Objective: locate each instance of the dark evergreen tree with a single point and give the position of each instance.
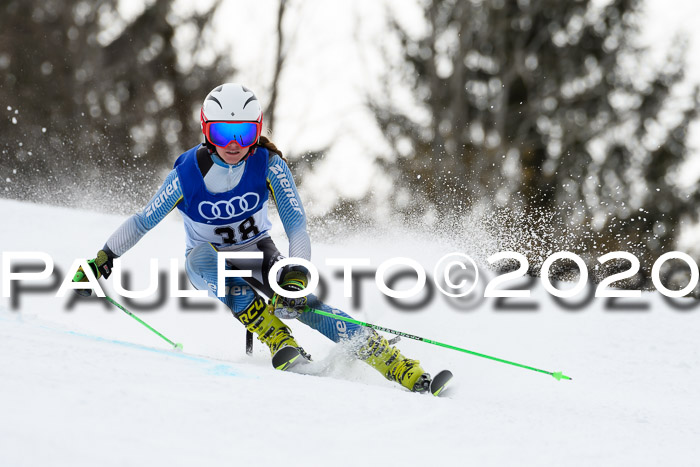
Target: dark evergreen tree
(90, 97)
(549, 110)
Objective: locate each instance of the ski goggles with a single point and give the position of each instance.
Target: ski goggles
(222, 133)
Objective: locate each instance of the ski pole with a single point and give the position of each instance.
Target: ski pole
(248, 343)
(558, 375)
(177, 346)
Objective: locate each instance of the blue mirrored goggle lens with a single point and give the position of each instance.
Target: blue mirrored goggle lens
(222, 133)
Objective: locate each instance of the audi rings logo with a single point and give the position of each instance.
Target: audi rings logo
(234, 207)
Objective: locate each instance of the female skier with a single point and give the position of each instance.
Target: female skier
(221, 188)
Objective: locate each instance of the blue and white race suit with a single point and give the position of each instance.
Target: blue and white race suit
(225, 208)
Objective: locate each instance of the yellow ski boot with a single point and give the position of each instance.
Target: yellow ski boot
(259, 319)
(388, 360)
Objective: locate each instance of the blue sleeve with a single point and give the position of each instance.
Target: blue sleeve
(134, 228)
(291, 211)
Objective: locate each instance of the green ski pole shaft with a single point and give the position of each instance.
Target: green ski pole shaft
(558, 375)
(175, 345)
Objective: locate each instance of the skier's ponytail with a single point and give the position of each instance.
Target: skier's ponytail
(270, 146)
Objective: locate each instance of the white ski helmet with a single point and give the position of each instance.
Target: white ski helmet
(231, 102)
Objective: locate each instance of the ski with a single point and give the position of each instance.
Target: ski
(287, 357)
(439, 382)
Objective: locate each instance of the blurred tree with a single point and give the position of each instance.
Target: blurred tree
(280, 57)
(285, 40)
(90, 96)
(551, 111)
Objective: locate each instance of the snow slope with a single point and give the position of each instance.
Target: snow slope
(90, 386)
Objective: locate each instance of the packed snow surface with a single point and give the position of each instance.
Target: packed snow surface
(83, 384)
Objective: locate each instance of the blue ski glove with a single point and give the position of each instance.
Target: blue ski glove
(295, 279)
(101, 266)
